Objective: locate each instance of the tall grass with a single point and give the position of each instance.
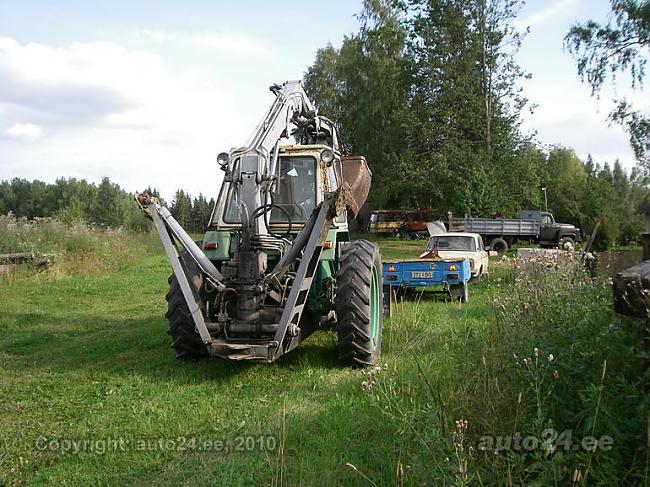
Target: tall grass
(536, 350)
(542, 386)
(67, 249)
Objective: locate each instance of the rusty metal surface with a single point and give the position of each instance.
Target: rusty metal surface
(358, 175)
(340, 199)
(147, 203)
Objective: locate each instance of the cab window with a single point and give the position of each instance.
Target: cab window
(294, 194)
(295, 189)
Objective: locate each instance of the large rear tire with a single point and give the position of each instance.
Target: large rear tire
(186, 341)
(499, 245)
(359, 304)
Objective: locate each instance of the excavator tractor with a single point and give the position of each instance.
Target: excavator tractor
(277, 261)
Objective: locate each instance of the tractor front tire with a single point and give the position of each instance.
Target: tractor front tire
(359, 304)
(186, 341)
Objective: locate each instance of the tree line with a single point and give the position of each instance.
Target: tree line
(431, 93)
(105, 204)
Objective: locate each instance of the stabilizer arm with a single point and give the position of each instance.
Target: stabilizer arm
(168, 231)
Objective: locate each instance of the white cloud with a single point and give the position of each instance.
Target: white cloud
(24, 130)
(544, 14)
(569, 116)
(112, 111)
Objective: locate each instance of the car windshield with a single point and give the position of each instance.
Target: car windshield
(294, 195)
(452, 242)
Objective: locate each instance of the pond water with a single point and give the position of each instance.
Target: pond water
(615, 261)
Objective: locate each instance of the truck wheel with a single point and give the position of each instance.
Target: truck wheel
(566, 243)
(185, 339)
(460, 292)
(359, 304)
(499, 245)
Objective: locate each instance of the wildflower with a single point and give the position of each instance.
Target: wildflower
(556, 374)
(526, 361)
(536, 351)
(551, 357)
(577, 476)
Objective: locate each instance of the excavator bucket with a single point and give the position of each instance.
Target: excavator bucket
(358, 175)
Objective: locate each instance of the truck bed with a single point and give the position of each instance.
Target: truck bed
(497, 226)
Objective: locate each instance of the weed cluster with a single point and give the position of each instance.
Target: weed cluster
(67, 249)
(569, 409)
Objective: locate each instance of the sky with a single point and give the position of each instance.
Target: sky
(149, 92)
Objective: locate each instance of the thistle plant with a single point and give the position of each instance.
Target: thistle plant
(536, 370)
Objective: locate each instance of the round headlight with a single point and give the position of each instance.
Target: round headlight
(327, 156)
(222, 158)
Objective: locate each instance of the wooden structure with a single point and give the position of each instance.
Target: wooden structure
(9, 262)
(16, 258)
(632, 291)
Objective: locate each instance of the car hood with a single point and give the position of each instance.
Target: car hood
(457, 254)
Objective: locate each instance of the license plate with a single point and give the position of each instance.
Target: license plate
(421, 274)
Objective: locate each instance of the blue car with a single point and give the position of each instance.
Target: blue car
(452, 275)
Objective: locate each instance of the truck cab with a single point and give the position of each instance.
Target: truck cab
(551, 233)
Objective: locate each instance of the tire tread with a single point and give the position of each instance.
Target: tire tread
(354, 280)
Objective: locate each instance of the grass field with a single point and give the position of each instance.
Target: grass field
(91, 393)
